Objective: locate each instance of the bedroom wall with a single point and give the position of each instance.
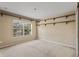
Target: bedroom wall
(62, 34)
(6, 32)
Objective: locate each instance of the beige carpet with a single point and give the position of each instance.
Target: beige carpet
(37, 48)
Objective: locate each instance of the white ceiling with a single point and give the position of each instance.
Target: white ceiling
(39, 10)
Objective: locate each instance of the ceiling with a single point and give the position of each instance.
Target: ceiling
(39, 10)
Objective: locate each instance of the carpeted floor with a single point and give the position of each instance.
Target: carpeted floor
(37, 48)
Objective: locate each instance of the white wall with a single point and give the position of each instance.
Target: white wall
(6, 32)
(61, 33)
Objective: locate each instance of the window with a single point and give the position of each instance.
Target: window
(21, 28)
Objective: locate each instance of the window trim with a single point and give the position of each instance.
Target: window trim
(22, 29)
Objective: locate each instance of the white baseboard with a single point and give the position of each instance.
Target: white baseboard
(62, 44)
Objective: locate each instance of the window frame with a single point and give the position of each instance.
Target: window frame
(23, 22)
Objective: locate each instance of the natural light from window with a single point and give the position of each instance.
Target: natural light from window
(21, 28)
